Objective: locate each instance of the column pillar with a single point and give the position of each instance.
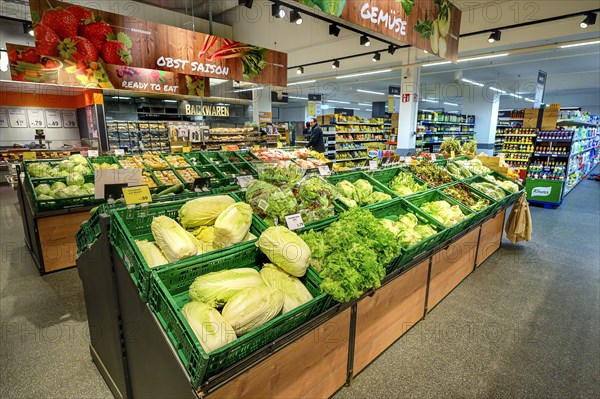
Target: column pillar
(484, 104)
(261, 102)
(407, 110)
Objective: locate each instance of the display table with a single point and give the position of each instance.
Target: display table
(316, 359)
(50, 235)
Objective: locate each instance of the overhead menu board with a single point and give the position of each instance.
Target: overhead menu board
(431, 25)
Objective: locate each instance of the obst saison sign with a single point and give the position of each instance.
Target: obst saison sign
(93, 48)
(431, 25)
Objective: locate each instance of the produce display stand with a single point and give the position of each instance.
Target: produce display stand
(50, 235)
(137, 359)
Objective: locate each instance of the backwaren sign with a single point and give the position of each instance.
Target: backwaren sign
(431, 25)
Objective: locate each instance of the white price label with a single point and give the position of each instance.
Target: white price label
(3, 118)
(324, 170)
(373, 164)
(294, 221)
(53, 119)
(119, 152)
(17, 118)
(244, 180)
(69, 118)
(36, 118)
(92, 153)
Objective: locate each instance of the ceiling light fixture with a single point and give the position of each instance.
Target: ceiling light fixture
(295, 17)
(590, 19)
(300, 70)
(354, 75)
(451, 104)
(483, 57)
(370, 92)
(302, 83)
(364, 41)
(376, 57)
(495, 36)
(392, 49)
(335, 64)
(277, 11)
(473, 83)
(579, 44)
(334, 30)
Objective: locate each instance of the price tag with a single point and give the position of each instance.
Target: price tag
(324, 170)
(36, 118)
(3, 118)
(119, 152)
(29, 155)
(92, 153)
(186, 150)
(137, 195)
(373, 164)
(53, 119)
(452, 154)
(244, 180)
(17, 118)
(69, 118)
(294, 221)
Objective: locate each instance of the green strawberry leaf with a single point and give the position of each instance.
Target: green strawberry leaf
(123, 38)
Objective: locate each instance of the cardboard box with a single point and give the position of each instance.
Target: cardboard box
(530, 119)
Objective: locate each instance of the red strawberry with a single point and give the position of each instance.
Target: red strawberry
(30, 55)
(80, 13)
(78, 49)
(13, 56)
(95, 32)
(46, 41)
(115, 52)
(62, 22)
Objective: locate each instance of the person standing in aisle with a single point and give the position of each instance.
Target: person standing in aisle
(316, 139)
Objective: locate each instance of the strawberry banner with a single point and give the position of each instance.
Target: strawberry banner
(82, 46)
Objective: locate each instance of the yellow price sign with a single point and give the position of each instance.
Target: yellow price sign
(186, 150)
(29, 155)
(137, 195)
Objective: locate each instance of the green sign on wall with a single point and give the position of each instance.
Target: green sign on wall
(549, 191)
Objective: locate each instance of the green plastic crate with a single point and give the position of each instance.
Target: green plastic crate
(169, 292)
(478, 195)
(128, 225)
(386, 176)
(436, 195)
(353, 177)
(401, 207)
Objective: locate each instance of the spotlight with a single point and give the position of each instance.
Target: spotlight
(590, 19)
(246, 3)
(334, 30)
(277, 11)
(300, 70)
(295, 17)
(336, 64)
(495, 36)
(376, 57)
(28, 28)
(364, 41)
(392, 49)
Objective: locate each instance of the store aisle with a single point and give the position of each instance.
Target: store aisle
(524, 325)
(44, 346)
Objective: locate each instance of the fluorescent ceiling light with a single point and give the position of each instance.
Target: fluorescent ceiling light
(365, 104)
(298, 98)
(429, 101)
(370, 92)
(354, 75)
(472, 82)
(484, 57)
(515, 95)
(452, 104)
(580, 44)
(302, 83)
(437, 63)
